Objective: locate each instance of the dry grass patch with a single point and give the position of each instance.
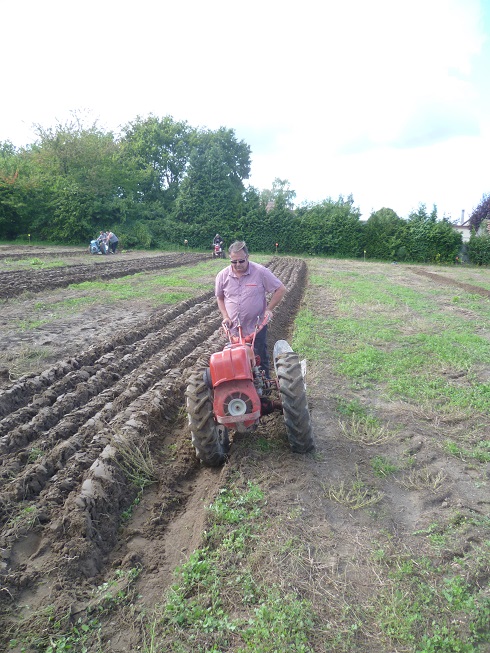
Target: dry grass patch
(423, 479)
(364, 430)
(353, 494)
(136, 462)
(26, 360)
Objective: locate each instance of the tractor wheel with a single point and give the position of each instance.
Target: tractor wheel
(209, 438)
(294, 404)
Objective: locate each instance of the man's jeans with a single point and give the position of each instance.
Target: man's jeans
(260, 349)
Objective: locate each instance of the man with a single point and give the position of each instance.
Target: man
(101, 240)
(112, 241)
(241, 290)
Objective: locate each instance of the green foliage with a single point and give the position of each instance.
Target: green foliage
(210, 196)
(19, 192)
(159, 150)
(280, 192)
(331, 228)
(383, 467)
(482, 212)
(384, 235)
(202, 603)
(162, 182)
(279, 624)
(479, 249)
(430, 240)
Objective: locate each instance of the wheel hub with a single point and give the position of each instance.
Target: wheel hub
(237, 407)
(237, 403)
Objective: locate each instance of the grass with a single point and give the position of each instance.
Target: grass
(391, 345)
(33, 263)
(383, 467)
(366, 429)
(422, 479)
(23, 521)
(52, 631)
(143, 284)
(397, 342)
(216, 600)
(354, 495)
(24, 359)
(136, 463)
(416, 593)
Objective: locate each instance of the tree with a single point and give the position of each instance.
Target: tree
(281, 192)
(159, 149)
(482, 212)
(278, 226)
(210, 197)
(479, 246)
(384, 234)
(84, 183)
(250, 225)
(9, 197)
(430, 239)
(331, 227)
(20, 194)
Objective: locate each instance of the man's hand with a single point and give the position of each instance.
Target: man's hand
(226, 323)
(268, 315)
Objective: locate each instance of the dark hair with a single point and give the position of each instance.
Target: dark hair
(237, 246)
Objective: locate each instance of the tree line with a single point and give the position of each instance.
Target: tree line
(161, 182)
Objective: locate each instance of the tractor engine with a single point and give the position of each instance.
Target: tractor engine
(236, 402)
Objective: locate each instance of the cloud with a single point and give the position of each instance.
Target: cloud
(435, 123)
(337, 97)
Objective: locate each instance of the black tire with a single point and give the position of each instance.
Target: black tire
(294, 403)
(210, 439)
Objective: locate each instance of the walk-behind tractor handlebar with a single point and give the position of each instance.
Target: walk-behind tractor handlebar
(235, 393)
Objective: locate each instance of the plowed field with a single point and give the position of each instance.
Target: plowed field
(128, 389)
(113, 383)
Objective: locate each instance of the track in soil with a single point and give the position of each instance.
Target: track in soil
(62, 495)
(19, 252)
(14, 283)
(439, 278)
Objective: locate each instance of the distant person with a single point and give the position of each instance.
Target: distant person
(102, 242)
(241, 290)
(112, 241)
(217, 240)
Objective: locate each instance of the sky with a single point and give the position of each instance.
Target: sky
(384, 100)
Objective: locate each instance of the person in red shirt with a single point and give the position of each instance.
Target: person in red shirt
(241, 291)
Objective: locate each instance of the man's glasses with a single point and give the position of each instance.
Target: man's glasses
(241, 260)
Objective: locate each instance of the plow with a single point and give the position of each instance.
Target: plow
(233, 392)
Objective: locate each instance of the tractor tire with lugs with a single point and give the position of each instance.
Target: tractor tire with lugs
(209, 439)
(294, 403)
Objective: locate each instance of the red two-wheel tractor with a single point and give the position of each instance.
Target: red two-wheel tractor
(233, 393)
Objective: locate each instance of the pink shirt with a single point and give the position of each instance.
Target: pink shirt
(245, 296)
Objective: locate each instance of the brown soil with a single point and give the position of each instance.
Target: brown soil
(120, 378)
(14, 283)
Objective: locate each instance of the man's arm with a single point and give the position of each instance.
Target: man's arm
(276, 298)
(223, 311)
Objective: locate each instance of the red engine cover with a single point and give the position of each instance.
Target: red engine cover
(236, 402)
(231, 364)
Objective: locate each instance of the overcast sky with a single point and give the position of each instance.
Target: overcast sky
(387, 100)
